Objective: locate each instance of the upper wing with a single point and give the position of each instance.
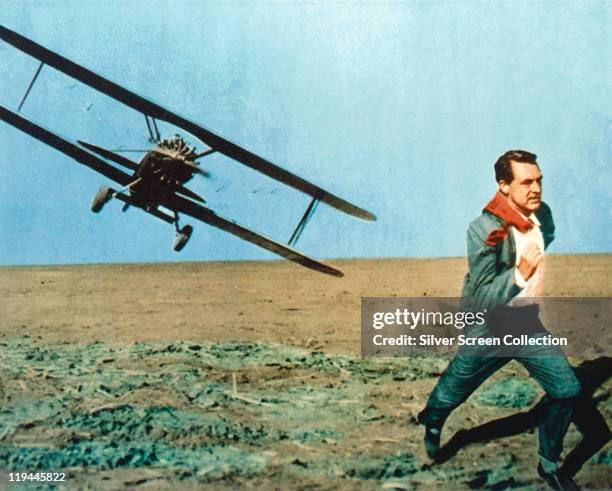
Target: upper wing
(207, 215)
(65, 146)
(150, 108)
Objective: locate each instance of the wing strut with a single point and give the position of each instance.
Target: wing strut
(157, 133)
(295, 236)
(25, 96)
(154, 138)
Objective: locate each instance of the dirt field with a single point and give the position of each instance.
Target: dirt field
(248, 375)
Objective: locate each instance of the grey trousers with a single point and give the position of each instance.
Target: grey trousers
(546, 364)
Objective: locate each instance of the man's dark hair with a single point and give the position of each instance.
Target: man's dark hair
(503, 166)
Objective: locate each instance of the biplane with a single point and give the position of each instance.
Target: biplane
(156, 184)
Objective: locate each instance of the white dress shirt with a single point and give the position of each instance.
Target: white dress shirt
(530, 288)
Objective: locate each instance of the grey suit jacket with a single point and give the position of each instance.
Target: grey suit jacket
(490, 277)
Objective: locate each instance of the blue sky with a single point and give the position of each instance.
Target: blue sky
(401, 108)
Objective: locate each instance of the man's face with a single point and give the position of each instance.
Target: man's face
(524, 193)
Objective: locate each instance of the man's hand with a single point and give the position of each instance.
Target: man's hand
(532, 256)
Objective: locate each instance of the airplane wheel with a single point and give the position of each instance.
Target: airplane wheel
(182, 237)
(102, 197)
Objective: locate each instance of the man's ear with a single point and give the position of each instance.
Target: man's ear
(504, 187)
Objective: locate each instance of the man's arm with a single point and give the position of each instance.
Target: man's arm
(489, 286)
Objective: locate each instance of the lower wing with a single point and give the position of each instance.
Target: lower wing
(182, 205)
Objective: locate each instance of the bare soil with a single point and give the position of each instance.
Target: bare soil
(248, 375)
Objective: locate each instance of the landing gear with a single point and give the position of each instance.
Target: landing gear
(182, 237)
(102, 197)
(182, 234)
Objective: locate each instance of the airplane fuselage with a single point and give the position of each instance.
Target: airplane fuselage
(159, 176)
(162, 172)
